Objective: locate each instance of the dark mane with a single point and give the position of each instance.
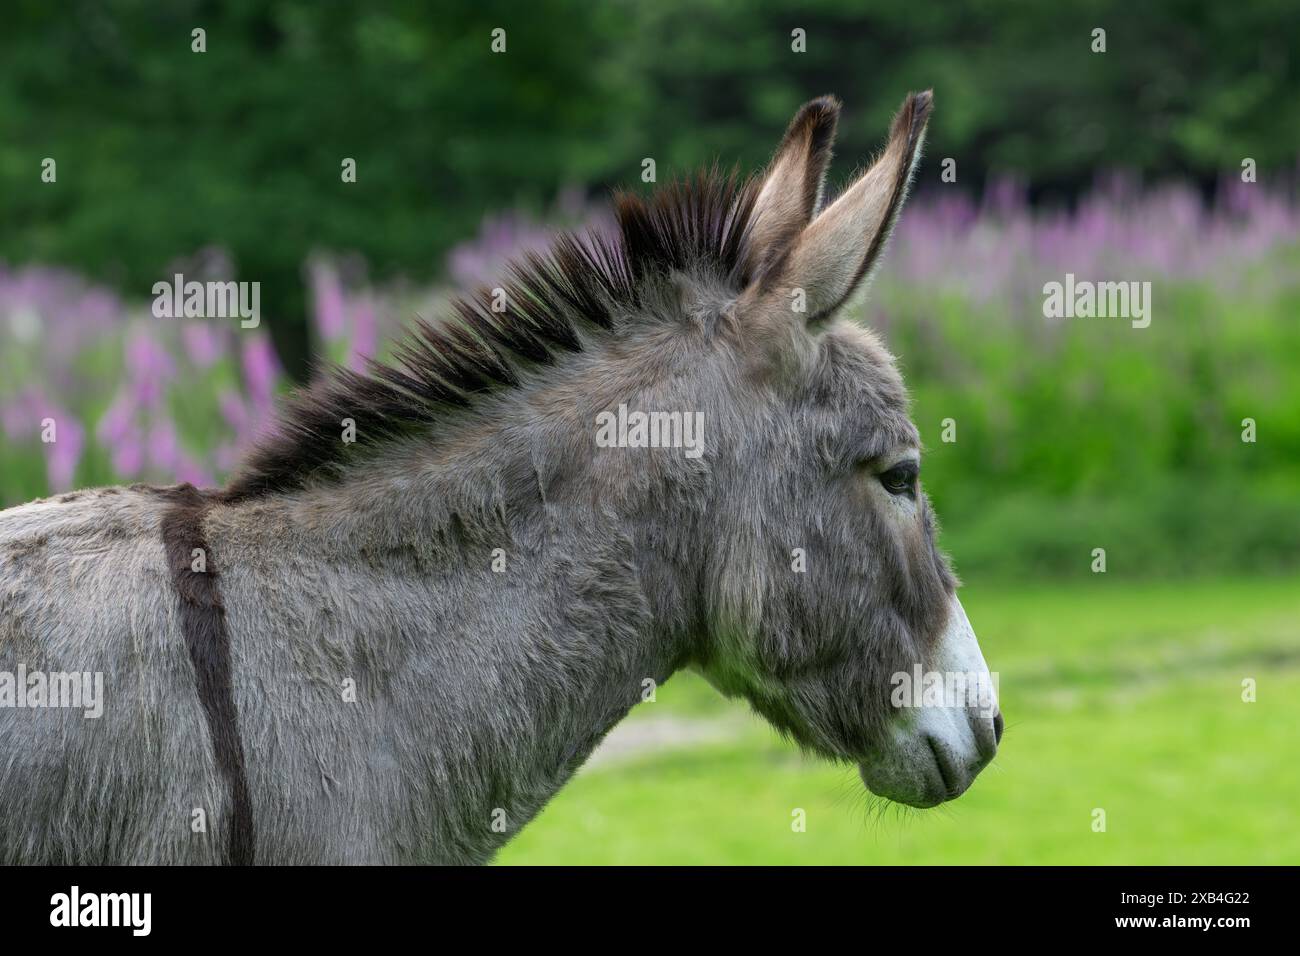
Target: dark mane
(584, 280)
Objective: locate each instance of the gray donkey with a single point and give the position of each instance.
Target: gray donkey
(435, 587)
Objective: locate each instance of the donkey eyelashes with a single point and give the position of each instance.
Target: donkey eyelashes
(901, 479)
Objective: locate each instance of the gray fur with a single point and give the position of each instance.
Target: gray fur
(478, 691)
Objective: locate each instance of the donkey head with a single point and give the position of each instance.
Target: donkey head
(830, 608)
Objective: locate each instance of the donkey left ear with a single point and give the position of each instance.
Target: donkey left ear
(792, 185)
(838, 249)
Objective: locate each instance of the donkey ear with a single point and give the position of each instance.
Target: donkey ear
(792, 185)
(840, 247)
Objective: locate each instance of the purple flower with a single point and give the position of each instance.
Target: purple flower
(127, 455)
(202, 343)
(261, 370)
(116, 420)
(331, 309)
(187, 469)
(163, 448)
(63, 454)
(233, 410)
(21, 415)
(149, 367)
(365, 332)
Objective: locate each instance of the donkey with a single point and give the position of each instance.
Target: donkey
(429, 593)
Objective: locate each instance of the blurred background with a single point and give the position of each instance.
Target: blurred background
(1172, 157)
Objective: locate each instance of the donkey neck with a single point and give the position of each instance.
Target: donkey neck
(532, 610)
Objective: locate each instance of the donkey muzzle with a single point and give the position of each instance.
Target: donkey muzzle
(948, 725)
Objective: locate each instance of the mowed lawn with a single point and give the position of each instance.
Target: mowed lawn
(1121, 697)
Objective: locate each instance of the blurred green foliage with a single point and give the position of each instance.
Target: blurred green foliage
(1101, 435)
(1087, 435)
(162, 151)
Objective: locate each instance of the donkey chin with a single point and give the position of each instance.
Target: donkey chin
(946, 731)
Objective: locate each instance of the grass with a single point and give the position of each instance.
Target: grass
(1120, 697)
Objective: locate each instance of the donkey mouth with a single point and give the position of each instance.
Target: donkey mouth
(954, 784)
(926, 779)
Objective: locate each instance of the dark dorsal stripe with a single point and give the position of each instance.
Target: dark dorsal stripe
(203, 619)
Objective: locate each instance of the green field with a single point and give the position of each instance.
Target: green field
(1124, 697)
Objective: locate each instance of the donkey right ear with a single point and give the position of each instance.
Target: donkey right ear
(838, 249)
(833, 255)
(792, 185)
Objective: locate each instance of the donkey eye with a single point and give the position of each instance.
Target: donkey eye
(901, 479)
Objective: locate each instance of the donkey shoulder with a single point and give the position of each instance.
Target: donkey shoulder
(77, 563)
(86, 593)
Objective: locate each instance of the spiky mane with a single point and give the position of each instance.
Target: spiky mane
(585, 280)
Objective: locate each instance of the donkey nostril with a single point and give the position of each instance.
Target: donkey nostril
(997, 727)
